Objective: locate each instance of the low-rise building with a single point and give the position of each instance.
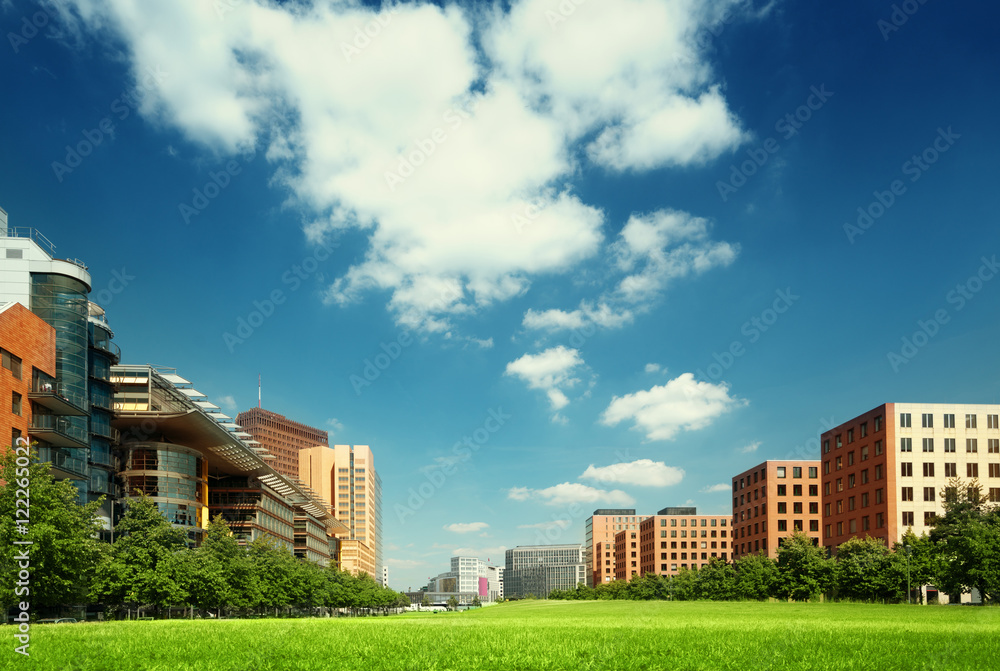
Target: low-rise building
(539, 569)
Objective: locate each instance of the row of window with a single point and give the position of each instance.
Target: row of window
(971, 445)
(852, 525)
(950, 470)
(927, 421)
(782, 490)
(852, 501)
(780, 472)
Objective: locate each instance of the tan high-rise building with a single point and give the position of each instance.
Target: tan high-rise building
(883, 471)
(773, 500)
(345, 475)
(281, 437)
(599, 544)
(673, 539)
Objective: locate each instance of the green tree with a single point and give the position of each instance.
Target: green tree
(684, 586)
(916, 557)
(968, 540)
(452, 602)
(648, 587)
(476, 603)
(146, 564)
(803, 569)
(64, 548)
(425, 601)
(866, 570)
(273, 566)
(756, 576)
(717, 581)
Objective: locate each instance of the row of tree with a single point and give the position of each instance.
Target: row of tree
(961, 553)
(149, 566)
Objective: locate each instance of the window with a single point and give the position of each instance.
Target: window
(11, 363)
(906, 469)
(994, 470)
(840, 528)
(853, 526)
(972, 470)
(14, 435)
(826, 467)
(850, 436)
(878, 447)
(797, 508)
(864, 453)
(829, 530)
(782, 507)
(826, 488)
(15, 403)
(904, 420)
(971, 445)
(796, 471)
(864, 476)
(993, 446)
(851, 504)
(878, 496)
(928, 444)
(840, 484)
(905, 444)
(840, 441)
(928, 493)
(813, 490)
(995, 494)
(850, 481)
(840, 506)
(782, 490)
(928, 420)
(864, 429)
(970, 421)
(951, 470)
(907, 519)
(850, 458)
(949, 444)
(782, 525)
(906, 494)
(839, 465)
(781, 471)
(949, 421)
(878, 423)
(813, 525)
(928, 470)
(814, 508)
(796, 490)
(826, 446)
(991, 422)
(878, 471)
(864, 500)
(929, 519)
(813, 474)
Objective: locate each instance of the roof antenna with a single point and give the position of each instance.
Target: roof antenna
(258, 391)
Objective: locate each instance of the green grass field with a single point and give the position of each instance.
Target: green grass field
(542, 635)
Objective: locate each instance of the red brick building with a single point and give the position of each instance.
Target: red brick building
(282, 437)
(677, 538)
(772, 501)
(28, 352)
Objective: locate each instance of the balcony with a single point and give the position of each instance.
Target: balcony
(104, 431)
(64, 465)
(110, 347)
(46, 392)
(57, 431)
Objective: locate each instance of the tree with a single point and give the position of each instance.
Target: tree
(452, 602)
(968, 540)
(866, 571)
(684, 586)
(918, 557)
(141, 566)
(756, 576)
(64, 548)
(803, 569)
(476, 603)
(648, 587)
(717, 581)
(425, 602)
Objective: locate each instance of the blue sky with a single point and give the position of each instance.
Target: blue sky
(629, 229)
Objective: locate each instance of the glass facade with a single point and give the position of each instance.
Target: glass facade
(539, 569)
(170, 475)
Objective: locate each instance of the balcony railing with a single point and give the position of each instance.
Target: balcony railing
(110, 347)
(63, 461)
(57, 430)
(58, 398)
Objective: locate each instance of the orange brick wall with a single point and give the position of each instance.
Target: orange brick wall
(757, 501)
(27, 336)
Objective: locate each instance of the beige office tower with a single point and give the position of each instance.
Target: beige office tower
(345, 476)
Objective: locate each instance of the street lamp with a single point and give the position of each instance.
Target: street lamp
(908, 592)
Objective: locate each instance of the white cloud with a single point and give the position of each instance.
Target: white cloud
(682, 404)
(466, 527)
(495, 131)
(750, 448)
(713, 489)
(545, 526)
(551, 371)
(641, 472)
(227, 403)
(653, 368)
(334, 425)
(569, 493)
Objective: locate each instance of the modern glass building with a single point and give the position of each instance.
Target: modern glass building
(539, 569)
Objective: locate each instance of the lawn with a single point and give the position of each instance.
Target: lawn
(541, 635)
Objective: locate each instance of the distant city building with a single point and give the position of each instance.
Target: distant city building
(884, 470)
(281, 437)
(539, 569)
(600, 530)
(345, 476)
(385, 576)
(773, 500)
(673, 539)
(469, 575)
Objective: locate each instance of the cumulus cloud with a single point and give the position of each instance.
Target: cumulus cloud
(466, 527)
(429, 136)
(682, 404)
(551, 371)
(750, 448)
(334, 426)
(713, 489)
(653, 368)
(569, 493)
(641, 472)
